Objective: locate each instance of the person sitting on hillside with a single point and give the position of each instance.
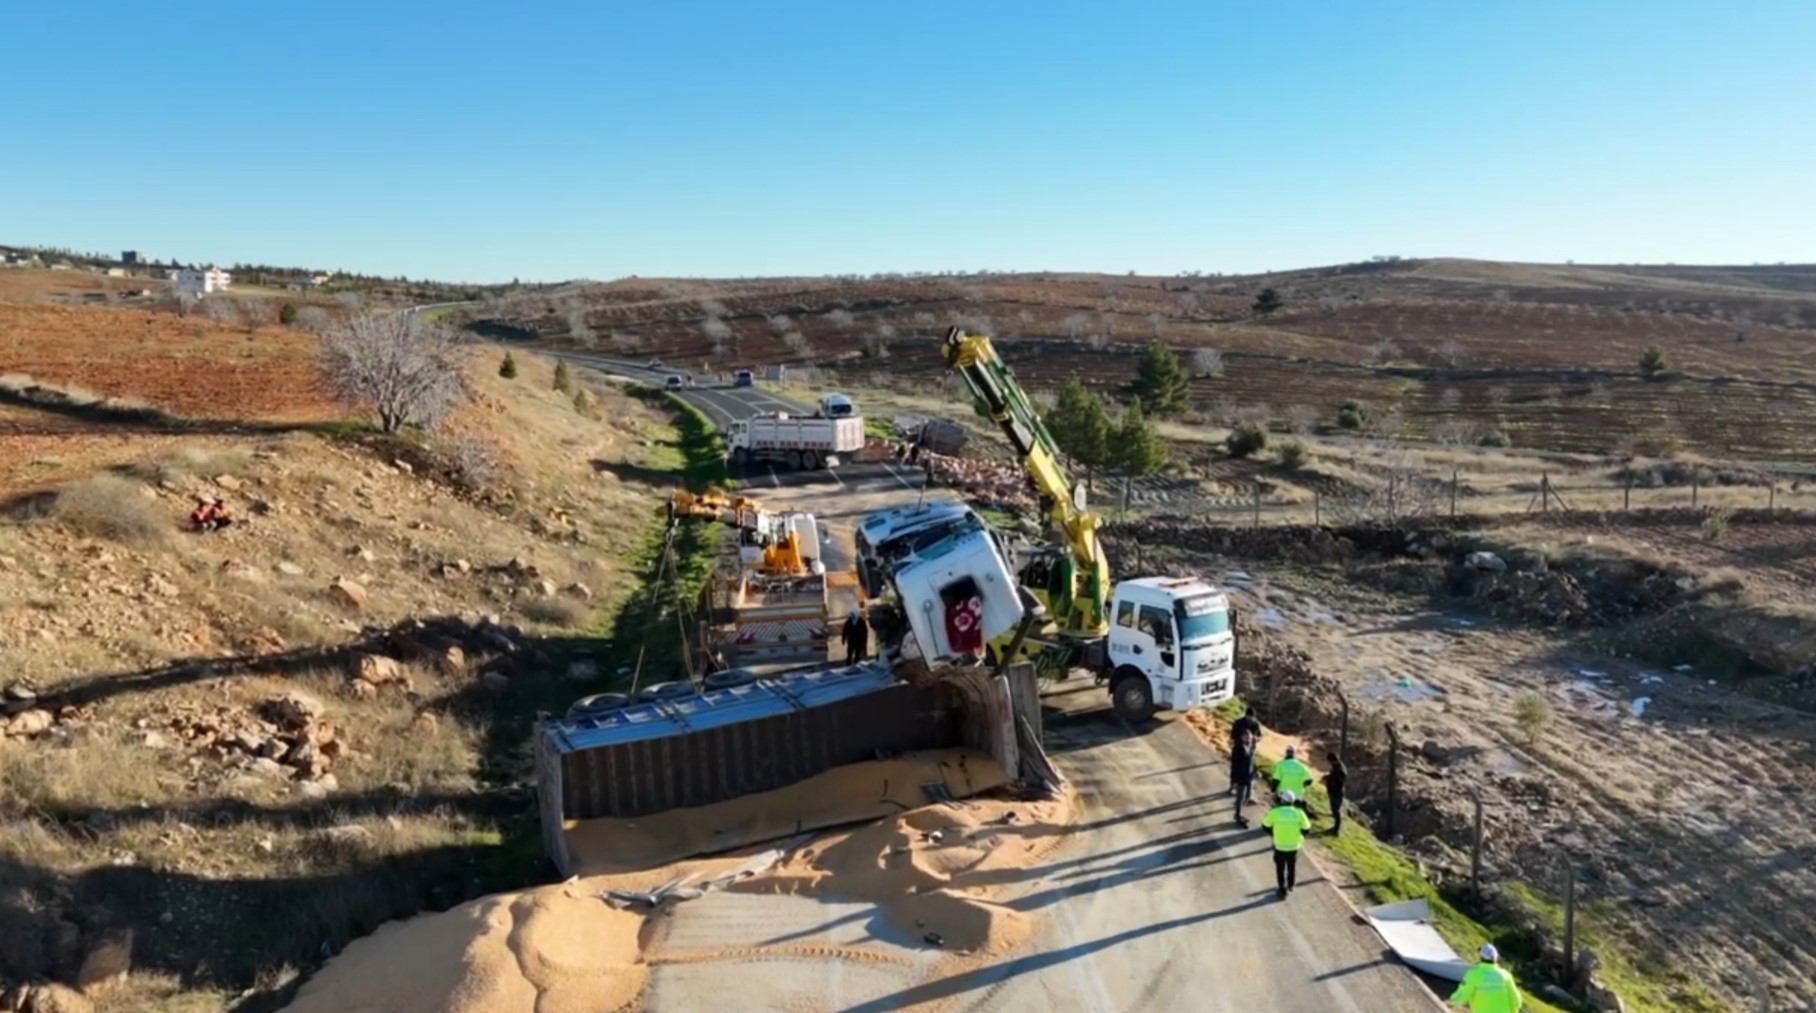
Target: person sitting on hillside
(210, 515)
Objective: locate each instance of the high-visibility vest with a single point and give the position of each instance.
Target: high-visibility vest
(1488, 988)
(1293, 776)
(1289, 824)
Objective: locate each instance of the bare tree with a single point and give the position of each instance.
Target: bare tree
(1097, 342)
(1382, 353)
(225, 312)
(712, 307)
(1207, 362)
(1256, 414)
(1075, 325)
(186, 301)
(1498, 395)
(717, 331)
(625, 342)
(1397, 491)
(408, 371)
(885, 331)
(1450, 353)
(1459, 431)
(840, 318)
(925, 319)
(1157, 323)
(314, 318)
(1450, 398)
(1302, 418)
(781, 324)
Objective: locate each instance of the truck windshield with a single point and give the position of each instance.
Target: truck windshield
(1201, 619)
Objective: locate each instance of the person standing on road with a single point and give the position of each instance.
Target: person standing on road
(1248, 726)
(1488, 987)
(856, 636)
(1334, 782)
(1289, 824)
(1242, 774)
(1292, 777)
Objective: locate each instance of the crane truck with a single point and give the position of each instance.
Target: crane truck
(966, 590)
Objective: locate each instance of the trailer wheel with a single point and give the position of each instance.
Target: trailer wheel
(810, 461)
(794, 459)
(1131, 696)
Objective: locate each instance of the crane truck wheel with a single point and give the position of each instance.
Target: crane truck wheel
(794, 459)
(1131, 695)
(810, 461)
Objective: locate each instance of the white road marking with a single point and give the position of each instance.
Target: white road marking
(772, 477)
(898, 476)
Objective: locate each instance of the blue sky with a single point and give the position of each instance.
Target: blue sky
(546, 140)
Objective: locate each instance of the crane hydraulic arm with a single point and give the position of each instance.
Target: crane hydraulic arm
(1080, 586)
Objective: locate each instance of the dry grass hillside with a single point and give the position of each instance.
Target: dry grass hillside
(1546, 353)
(225, 755)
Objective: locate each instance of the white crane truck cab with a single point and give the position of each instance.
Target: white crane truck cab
(1170, 646)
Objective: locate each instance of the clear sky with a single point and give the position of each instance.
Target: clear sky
(549, 140)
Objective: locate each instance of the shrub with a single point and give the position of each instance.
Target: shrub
(1293, 455)
(1496, 438)
(107, 506)
(1653, 364)
(581, 401)
(1533, 714)
(564, 380)
(508, 368)
(1352, 415)
(555, 611)
(1247, 438)
(1716, 524)
(287, 313)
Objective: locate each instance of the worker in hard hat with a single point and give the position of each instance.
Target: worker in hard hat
(1292, 776)
(1289, 824)
(1488, 987)
(856, 636)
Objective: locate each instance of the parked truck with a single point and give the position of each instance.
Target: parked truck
(800, 443)
(776, 618)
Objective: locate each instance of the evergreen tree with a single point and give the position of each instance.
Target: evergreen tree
(1160, 381)
(508, 368)
(564, 381)
(1136, 448)
(1268, 301)
(1079, 425)
(1653, 363)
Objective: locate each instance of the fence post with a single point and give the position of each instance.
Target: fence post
(1343, 735)
(1627, 492)
(1317, 510)
(1475, 851)
(1544, 492)
(1772, 497)
(1393, 782)
(1570, 926)
(1453, 492)
(1257, 521)
(1695, 487)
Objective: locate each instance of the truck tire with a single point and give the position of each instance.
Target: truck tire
(1132, 696)
(794, 460)
(811, 461)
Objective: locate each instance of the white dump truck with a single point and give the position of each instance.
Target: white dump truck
(799, 443)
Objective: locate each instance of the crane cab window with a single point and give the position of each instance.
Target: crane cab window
(1125, 614)
(1157, 623)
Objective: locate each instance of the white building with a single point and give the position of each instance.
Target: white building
(197, 282)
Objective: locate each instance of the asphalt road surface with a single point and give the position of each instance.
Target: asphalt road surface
(1157, 902)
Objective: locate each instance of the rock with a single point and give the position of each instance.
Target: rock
(497, 682)
(1431, 750)
(229, 483)
(404, 466)
(31, 722)
(108, 963)
(453, 660)
(360, 689)
(269, 768)
(524, 568)
(316, 788)
(307, 757)
(272, 749)
(53, 998)
(498, 640)
(1604, 999)
(294, 710)
(426, 723)
(349, 593)
(362, 554)
(289, 569)
(546, 588)
(580, 591)
(348, 834)
(1484, 560)
(583, 671)
(159, 586)
(378, 670)
(16, 699)
(153, 740)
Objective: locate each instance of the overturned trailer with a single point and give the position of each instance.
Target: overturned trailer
(602, 778)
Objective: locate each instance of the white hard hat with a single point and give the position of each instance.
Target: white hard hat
(1489, 953)
(1292, 750)
(1288, 797)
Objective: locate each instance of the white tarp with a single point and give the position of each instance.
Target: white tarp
(1406, 928)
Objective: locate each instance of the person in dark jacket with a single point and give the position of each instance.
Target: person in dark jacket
(1334, 783)
(856, 637)
(1247, 726)
(1242, 774)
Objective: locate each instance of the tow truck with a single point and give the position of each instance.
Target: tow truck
(1159, 642)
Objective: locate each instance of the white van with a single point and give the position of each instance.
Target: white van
(836, 406)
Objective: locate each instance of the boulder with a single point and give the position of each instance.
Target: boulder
(53, 998)
(289, 569)
(546, 588)
(453, 660)
(580, 591)
(426, 723)
(378, 670)
(1484, 560)
(294, 710)
(497, 682)
(107, 964)
(229, 483)
(269, 768)
(349, 593)
(1431, 750)
(36, 721)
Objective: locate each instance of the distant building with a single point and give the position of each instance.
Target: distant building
(310, 280)
(134, 258)
(197, 281)
(116, 272)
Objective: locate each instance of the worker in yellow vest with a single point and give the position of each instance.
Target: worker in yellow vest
(1488, 987)
(1292, 775)
(1289, 824)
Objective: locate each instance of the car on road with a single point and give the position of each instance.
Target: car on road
(655, 363)
(674, 382)
(745, 378)
(837, 406)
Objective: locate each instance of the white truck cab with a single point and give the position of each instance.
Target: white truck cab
(837, 406)
(1170, 646)
(958, 595)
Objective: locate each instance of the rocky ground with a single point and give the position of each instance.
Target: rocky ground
(1682, 806)
(289, 731)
